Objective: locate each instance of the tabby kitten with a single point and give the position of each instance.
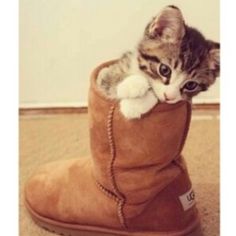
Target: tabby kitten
(172, 62)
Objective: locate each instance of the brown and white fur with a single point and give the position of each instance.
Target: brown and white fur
(172, 62)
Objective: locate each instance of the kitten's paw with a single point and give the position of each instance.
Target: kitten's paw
(128, 110)
(132, 87)
(133, 108)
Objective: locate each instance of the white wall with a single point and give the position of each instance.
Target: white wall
(61, 41)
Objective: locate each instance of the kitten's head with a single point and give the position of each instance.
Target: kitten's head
(180, 62)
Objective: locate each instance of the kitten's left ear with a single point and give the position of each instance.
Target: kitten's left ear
(214, 58)
(168, 26)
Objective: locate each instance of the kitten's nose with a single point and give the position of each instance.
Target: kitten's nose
(170, 93)
(168, 98)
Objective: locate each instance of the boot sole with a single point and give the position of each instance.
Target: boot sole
(67, 229)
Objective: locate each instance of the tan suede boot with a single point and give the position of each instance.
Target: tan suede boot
(136, 182)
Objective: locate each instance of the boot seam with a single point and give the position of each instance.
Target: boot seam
(119, 195)
(107, 192)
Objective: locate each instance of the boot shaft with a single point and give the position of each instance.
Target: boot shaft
(136, 159)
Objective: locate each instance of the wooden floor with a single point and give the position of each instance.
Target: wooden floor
(45, 138)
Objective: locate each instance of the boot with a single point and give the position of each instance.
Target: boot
(136, 182)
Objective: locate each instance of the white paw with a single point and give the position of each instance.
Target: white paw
(133, 108)
(128, 110)
(132, 86)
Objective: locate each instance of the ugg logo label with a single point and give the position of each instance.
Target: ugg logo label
(187, 200)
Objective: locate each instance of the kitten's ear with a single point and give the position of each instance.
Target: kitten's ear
(214, 58)
(168, 26)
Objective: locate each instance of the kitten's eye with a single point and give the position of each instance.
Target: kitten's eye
(165, 70)
(191, 85)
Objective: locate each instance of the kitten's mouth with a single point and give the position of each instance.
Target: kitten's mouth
(170, 101)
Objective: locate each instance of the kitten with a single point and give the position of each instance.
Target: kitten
(172, 62)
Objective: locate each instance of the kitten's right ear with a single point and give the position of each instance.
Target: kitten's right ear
(168, 26)
(214, 57)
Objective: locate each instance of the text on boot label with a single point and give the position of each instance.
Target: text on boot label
(188, 199)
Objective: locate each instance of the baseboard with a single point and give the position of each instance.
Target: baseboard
(84, 109)
(206, 106)
(53, 108)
